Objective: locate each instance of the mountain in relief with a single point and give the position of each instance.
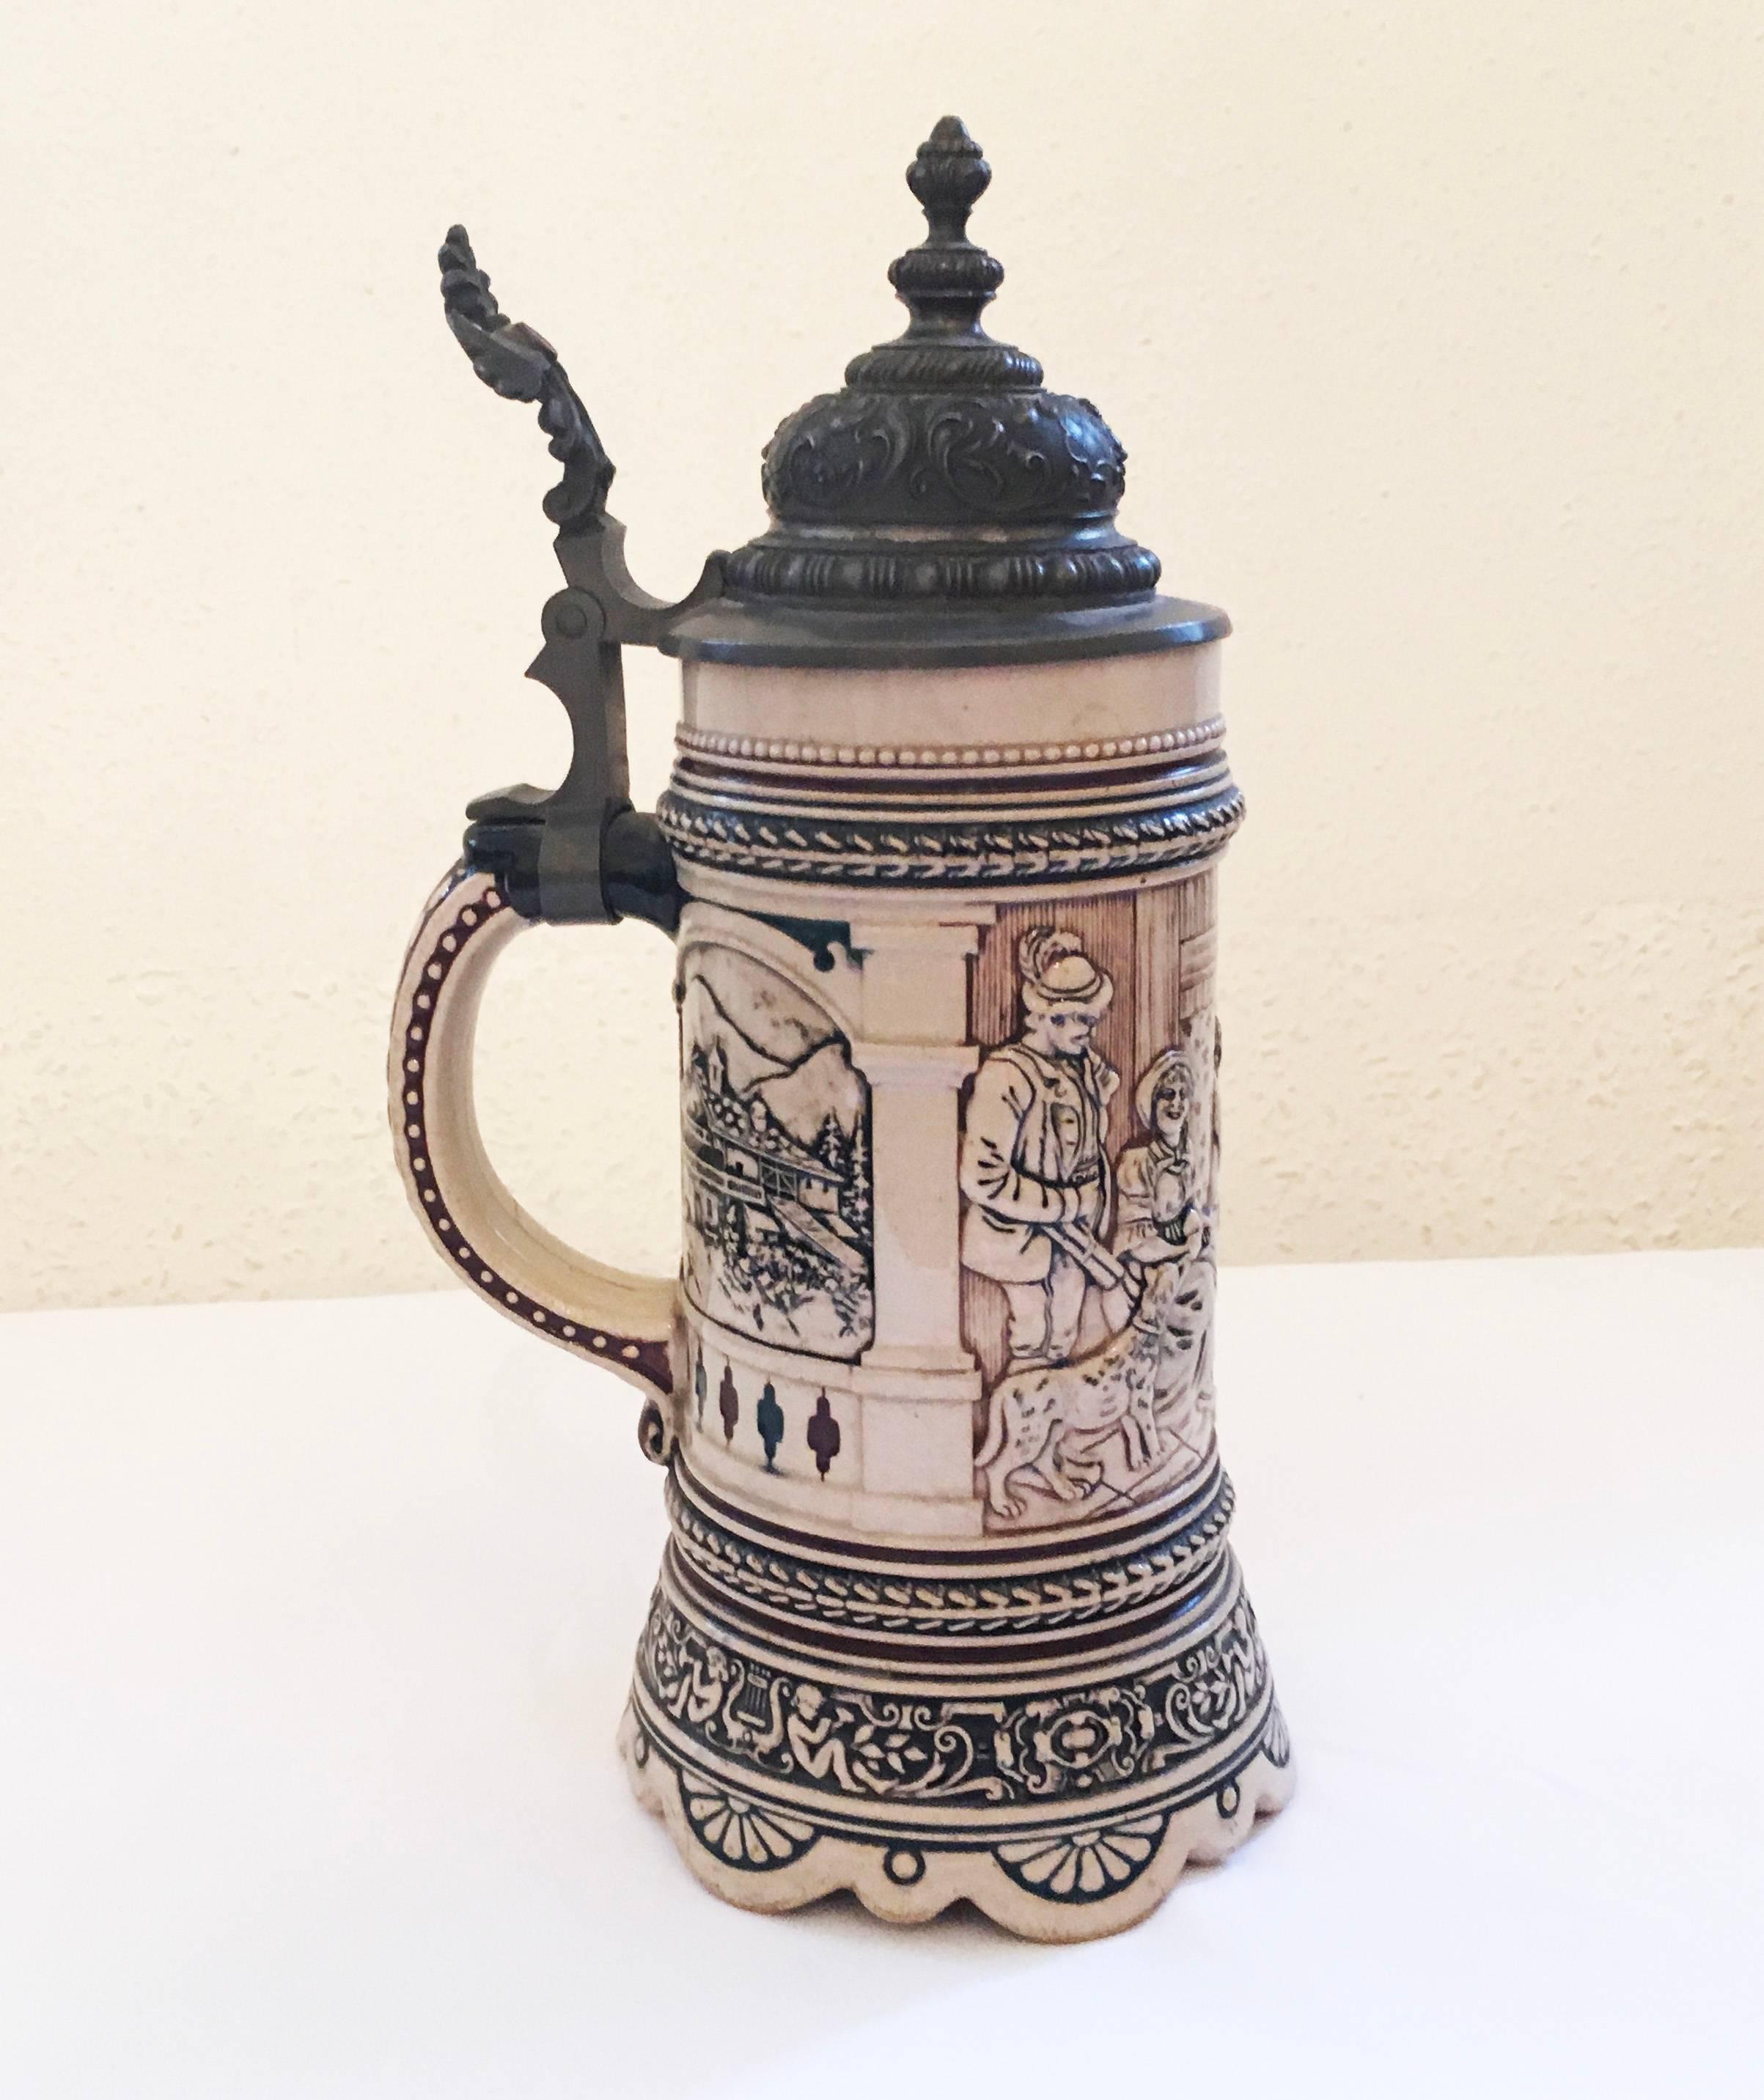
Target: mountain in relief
(800, 1093)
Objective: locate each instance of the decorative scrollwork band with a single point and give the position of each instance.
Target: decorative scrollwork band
(1012, 1600)
(894, 1745)
(956, 855)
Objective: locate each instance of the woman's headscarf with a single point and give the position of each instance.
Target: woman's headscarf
(1172, 1067)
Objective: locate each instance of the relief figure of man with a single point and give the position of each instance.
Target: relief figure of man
(1033, 1168)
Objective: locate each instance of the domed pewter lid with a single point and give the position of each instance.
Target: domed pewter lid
(943, 506)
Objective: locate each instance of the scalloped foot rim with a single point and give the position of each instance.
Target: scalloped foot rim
(1091, 1877)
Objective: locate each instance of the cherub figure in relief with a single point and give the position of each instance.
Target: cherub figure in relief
(812, 1732)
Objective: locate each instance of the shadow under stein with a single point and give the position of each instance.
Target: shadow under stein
(948, 1609)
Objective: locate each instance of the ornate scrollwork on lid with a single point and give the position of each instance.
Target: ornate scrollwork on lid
(837, 450)
(897, 487)
(957, 460)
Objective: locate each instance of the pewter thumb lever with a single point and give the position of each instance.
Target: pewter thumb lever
(579, 852)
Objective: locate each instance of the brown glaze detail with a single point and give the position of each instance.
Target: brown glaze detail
(1134, 936)
(1197, 905)
(447, 939)
(1026, 1551)
(1157, 970)
(933, 785)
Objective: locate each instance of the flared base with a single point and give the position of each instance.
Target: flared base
(1071, 1878)
(1050, 1730)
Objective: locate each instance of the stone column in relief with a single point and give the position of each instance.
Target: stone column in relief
(915, 1055)
(919, 1380)
(915, 1137)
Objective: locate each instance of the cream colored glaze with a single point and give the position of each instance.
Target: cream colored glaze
(1005, 705)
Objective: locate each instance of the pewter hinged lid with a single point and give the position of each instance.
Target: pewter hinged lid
(944, 506)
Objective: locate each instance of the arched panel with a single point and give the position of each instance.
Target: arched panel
(778, 1193)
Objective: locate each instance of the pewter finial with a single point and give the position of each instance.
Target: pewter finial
(946, 281)
(948, 177)
(1009, 490)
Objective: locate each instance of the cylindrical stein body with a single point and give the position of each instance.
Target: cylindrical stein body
(948, 1608)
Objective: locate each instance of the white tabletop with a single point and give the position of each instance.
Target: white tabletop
(318, 1617)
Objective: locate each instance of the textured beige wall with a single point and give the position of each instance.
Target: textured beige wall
(1433, 334)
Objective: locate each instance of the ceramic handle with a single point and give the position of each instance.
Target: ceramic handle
(626, 1322)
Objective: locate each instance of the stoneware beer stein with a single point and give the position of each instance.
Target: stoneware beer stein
(948, 1608)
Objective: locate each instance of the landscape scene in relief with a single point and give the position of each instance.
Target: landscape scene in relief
(776, 1124)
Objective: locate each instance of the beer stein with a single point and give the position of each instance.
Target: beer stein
(948, 1608)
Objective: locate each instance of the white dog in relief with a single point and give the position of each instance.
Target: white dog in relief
(1148, 1384)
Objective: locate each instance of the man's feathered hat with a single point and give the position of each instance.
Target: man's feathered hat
(1058, 977)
